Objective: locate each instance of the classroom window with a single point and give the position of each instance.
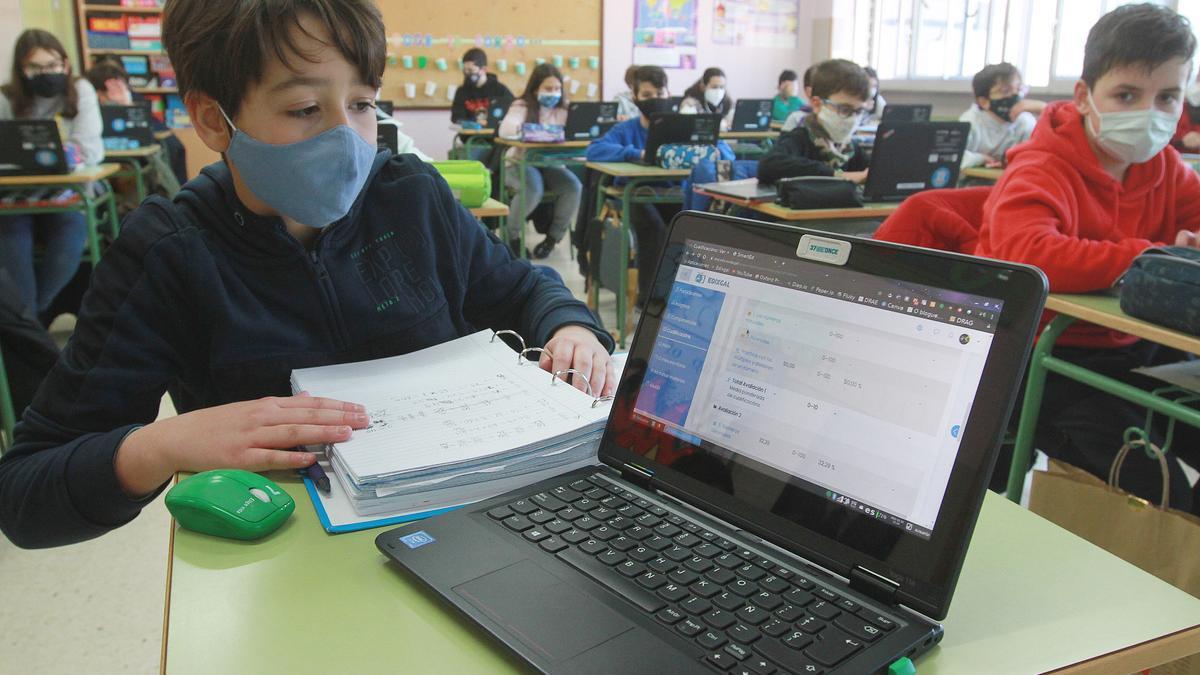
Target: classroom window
(938, 40)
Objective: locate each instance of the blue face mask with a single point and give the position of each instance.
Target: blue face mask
(314, 181)
(549, 100)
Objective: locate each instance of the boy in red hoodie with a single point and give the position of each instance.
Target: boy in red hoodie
(1095, 186)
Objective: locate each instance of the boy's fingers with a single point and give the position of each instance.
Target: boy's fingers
(291, 435)
(318, 416)
(307, 401)
(598, 375)
(264, 459)
(583, 363)
(564, 352)
(610, 379)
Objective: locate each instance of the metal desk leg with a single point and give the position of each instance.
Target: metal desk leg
(1032, 405)
(623, 284)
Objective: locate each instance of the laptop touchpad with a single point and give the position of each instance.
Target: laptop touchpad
(541, 611)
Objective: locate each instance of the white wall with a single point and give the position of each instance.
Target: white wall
(10, 28)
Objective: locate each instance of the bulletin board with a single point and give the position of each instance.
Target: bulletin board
(427, 38)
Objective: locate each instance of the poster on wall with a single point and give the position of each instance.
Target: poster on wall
(664, 33)
(756, 23)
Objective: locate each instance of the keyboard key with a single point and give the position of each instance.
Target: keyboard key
(751, 572)
(719, 618)
(669, 616)
(675, 520)
(603, 533)
(500, 513)
(877, 619)
(592, 546)
(664, 565)
(613, 502)
(711, 639)
(658, 543)
(742, 587)
(746, 554)
(757, 665)
(725, 544)
(568, 514)
(602, 512)
(642, 502)
(705, 588)
(707, 536)
(630, 568)
(597, 493)
(753, 615)
(622, 543)
(586, 504)
(791, 660)
(858, 628)
(721, 660)
(548, 501)
(651, 580)
(619, 522)
(597, 571)
(764, 563)
(695, 605)
(798, 640)
(553, 544)
(535, 534)
(683, 577)
(798, 597)
(729, 561)
(729, 601)
(517, 523)
(629, 510)
(687, 539)
(706, 550)
(640, 554)
(826, 594)
(744, 634)
(774, 628)
(581, 485)
(768, 601)
(789, 613)
(720, 575)
(523, 506)
(784, 573)
(557, 526)
(565, 493)
(677, 553)
(648, 520)
(811, 624)
(611, 557)
(657, 510)
(586, 523)
(847, 605)
(802, 581)
(774, 583)
(689, 627)
(638, 532)
(666, 530)
(690, 527)
(824, 610)
(574, 536)
(737, 651)
(540, 516)
(833, 648)
(673, 592)
(697, 564)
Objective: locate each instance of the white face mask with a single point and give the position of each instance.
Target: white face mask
(839, 128)
(1132, 136)
(1193, 94)
(714, 96)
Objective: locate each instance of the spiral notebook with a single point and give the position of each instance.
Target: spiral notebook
(450, 425)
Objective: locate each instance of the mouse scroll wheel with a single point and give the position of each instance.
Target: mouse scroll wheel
(262, 496)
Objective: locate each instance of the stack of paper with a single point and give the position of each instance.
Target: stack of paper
(453, 424)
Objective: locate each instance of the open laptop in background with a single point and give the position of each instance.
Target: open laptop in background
(893, 113)
(496, 110)
(31, 147)
(910, 157)
(589, 120)
(704, 129)
(127, 127)
(746, 189)
(676, 101)
(387, 135)
(385, 106)
(796, 457)
(752, 114)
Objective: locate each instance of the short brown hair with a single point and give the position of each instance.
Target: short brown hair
(219, 47)
(1136, 35)
(655, 75)
(103, 71)
(830, 77)
(990, 76)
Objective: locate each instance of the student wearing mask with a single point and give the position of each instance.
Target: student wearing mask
(1000, 118)
(786, 101)
(303, 247)
(876, 103)
(793, 120)
(823, 144)
(626, 105)
(471, 100)
(1094, 187)
(543, 103)
(709, 95)
(626, 142)
(42, 87)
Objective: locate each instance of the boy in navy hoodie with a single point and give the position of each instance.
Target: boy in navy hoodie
(626, 142)
(302, 248)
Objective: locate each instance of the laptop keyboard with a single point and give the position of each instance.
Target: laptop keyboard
(749, 613)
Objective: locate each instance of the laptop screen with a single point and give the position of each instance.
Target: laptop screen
(856, 386)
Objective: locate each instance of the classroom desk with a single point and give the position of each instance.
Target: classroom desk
(537, 155)
(738, 201)
(88, 205)
(1103, 310)
(138, 161)
(777, 126)
(982, 173)
(1191, 159)
(492, 208)
(304, 601)
(471, 138)
(756, 143)
(861, 221)
(749, 135)
(634, 176)
(163, 135)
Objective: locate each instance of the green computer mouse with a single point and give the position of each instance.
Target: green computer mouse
(230, 503)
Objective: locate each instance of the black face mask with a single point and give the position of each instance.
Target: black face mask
(1003, 106)
(47, 85)
(653, 106)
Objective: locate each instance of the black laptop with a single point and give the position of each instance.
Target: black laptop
(906, 113)
(752, 114)
(589, 120)
(127, 127)
(387, 135)
(701, 129)
(910, 157)
(31, 147)
(497, 109)
(385, 106)
(791, 473)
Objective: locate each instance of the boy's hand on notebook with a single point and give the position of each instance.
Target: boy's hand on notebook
(251, 435)
(577, 347)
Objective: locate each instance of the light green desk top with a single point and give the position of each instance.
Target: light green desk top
(136, 153)
(79, 176)
(302, 601)
(983, 173)
(631, 170)
(869, 210)
(1105, 310)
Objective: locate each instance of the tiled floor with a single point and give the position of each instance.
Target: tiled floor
(97, 607)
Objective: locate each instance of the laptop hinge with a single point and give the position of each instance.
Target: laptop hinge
(639, 476)
(874, 586)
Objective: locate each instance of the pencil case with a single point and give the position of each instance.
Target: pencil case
(470, 181)
(1163, 286)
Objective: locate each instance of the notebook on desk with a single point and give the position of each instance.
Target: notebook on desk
(747, 189)
(31, 147)
(795, 459)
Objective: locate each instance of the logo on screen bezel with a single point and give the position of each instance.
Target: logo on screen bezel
(823, 249)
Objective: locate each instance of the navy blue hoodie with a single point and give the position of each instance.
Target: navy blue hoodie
(216, 304)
